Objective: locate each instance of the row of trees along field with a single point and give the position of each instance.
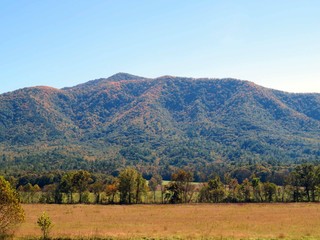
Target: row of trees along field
(130, 187)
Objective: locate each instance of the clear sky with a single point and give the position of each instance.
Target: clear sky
(61, 43)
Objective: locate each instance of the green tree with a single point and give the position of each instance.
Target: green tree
(233, 190)
(28, 189)
(295, 186)
(11, 212)
(180, 189)
(131, 186)
(45, 224)
(307, 173)
(214, 191)
(245, 190)
(256, 187)
(35, 189)
(80, 182)
(50, 194)
(66, 185)
(141, 188)
(97, 187)
(304, 176)
(269, 190)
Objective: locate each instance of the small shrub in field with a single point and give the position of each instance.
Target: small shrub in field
(45, 224)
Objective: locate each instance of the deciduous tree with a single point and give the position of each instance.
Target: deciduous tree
(11, 212)
(214, 191)
(112, 190)
(66, 185)
(81, 181)
(131, 186)
(269, 190)
(180, 188)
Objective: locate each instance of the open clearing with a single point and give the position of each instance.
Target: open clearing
(235, 221)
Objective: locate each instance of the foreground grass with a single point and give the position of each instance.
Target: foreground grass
(198, 221)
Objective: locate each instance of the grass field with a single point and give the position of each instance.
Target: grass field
(234, 221)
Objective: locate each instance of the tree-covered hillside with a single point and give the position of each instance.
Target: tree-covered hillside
(155, 123)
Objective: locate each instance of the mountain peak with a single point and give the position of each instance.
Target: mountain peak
(123, 76)
(166, 76)
(114, 78)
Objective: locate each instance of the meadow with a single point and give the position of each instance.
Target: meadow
(192, 221)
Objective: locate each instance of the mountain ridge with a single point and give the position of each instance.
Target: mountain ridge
(127, 119)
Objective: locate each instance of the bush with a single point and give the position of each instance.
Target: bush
(45, 224)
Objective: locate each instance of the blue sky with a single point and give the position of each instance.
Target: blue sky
(274, 43)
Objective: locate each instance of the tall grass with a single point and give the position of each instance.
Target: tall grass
(194, 221)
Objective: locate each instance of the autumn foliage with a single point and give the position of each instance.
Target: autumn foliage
(11, 212)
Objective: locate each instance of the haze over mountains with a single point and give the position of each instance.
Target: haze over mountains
(126, 119)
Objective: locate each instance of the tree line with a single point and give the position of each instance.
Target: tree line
(130, 187)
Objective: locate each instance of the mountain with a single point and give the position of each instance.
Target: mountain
(161, 122)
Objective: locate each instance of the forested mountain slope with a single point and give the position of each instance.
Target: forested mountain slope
(126, 119)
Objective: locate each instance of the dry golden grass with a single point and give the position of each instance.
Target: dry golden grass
(235, 221)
